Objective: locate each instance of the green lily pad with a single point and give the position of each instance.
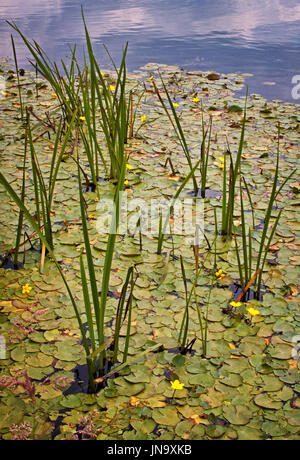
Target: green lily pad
(263, 400)
(215, 431)
(237, 414)
(18, 354)
(205, 380)
(71, 401)
(39, 360)
(166, 416)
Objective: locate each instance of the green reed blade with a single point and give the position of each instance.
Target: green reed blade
(176, 195)
(87, 304)
(239, 263)
(54, 171)
(224, 197)
(235, 169)
(250, 201)
(259, 278)
(90, 263)
(118, 320)
(250, 254)
(109, 253)
(129, 310)
(36, 228)
(244, 237)
(21, 213)
(269, 209)
(18, 77)
(177, 129)
(185, 322)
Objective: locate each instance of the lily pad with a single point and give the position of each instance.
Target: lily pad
(166, 416)
(237, 414)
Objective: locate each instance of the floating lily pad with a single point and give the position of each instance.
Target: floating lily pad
(263, 400)
(166, 416)
(237, 414)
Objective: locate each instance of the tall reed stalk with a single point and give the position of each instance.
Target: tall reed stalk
(163, 228)
(112, 105)
(206, 135)
(63, 87)
(234, 170)
(23, 191)
(175, 122)
(99, 102)
(202, 317)
(44, 190)
(18, 78)
(250, 274)
(93, 305)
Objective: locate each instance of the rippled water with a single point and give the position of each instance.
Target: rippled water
(261, 37)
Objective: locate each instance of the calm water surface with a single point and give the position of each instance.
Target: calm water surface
(261, 37)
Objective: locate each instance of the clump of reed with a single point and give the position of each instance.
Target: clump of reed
(43, 186)
(179, 132)
(229, 184)
(100, 103)
(250, 272)
(94, 342)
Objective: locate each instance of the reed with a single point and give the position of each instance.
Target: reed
(229, 184)
(93, 305)
(63, 87)
(265, 241)
(18, 78)
(99, 102)
(23, 192)
(44, 187)
(249, 272)
(202, 317)
(206, 136)
(94, 341)
(182, 339)
(175, 122)
(112, 105)
(163, 227)
(88, 126)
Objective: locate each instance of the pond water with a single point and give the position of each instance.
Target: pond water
(245, 36)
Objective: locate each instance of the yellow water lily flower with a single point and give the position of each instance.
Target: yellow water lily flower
(82, 118)
(175, 104)
(111, 87)
(151, 78)
(221, 165)
(54, 95)
(253, 312)
(143, 118)
(176, 385)
(26, 289)
(129, 166)
(236, 304)
(221, 159)
(195, 99)
(220, 274)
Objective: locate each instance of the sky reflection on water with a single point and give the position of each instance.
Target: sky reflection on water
(255, 36)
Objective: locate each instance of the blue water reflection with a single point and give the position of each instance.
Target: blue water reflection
(257, 37)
